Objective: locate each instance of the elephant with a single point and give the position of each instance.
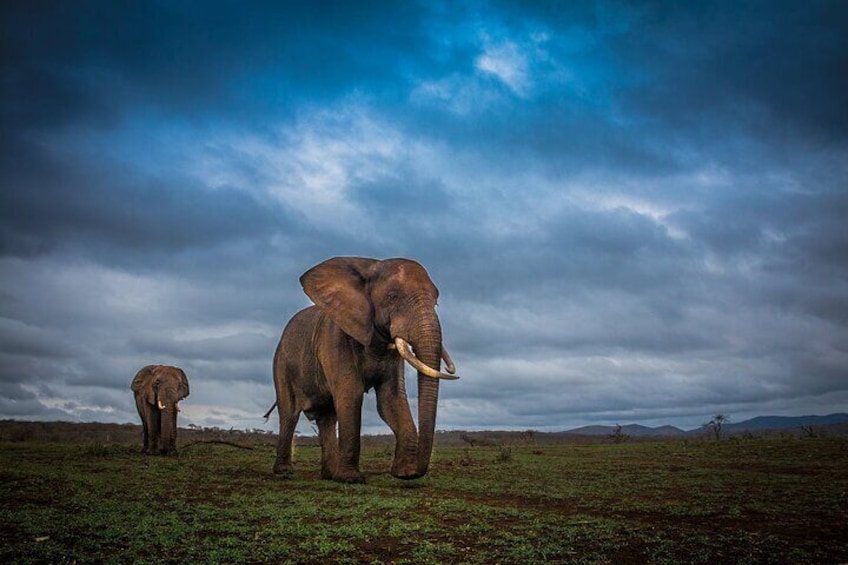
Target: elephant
(368, 317)
(157, 390)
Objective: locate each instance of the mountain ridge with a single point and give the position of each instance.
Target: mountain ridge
(758, 423)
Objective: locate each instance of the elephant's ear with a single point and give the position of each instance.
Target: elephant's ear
(144, 383)
(183, 383)
(338, 287)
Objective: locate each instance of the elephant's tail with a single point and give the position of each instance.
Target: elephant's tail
(271, 409)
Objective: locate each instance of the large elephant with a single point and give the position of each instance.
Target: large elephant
(369, 316)
(157, 390)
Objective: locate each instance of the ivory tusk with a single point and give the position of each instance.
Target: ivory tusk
(449, 366)
(161, 406)
(406, 352)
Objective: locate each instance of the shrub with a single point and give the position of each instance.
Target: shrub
(504, 455)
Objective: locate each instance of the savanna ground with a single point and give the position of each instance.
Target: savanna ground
(777, 500)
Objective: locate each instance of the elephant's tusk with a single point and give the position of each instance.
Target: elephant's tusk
(161, 406)
(449, 366)
(406, 352)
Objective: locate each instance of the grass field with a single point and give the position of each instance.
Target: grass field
(682, 501)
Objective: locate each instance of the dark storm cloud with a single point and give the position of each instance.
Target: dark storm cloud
(71, 63)
(633, 211)
(58, 203)
(655, 85)
(777, 66)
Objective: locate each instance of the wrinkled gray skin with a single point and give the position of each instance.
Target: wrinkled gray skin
(157, 390)
(330, 354)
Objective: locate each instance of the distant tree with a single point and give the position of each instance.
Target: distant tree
(617, 435)
(715, 425)
(811, 431)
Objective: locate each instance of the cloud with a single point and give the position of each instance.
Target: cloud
(632, 212)
(508, 65)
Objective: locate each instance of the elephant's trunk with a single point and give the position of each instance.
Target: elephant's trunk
(427, 344)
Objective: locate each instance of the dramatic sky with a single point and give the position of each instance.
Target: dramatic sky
(635, 212)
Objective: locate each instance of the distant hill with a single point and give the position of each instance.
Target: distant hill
(832, 425)
(762, 423)
(632, 430)
(758, 424)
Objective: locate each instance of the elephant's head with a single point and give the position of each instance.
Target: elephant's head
(165, 389)
(388, 304)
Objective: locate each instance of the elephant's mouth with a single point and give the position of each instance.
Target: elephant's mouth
(409, 356)
(162, 406)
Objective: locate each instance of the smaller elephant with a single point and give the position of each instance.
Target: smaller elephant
(157, 390)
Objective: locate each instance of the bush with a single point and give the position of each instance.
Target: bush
(504, 455)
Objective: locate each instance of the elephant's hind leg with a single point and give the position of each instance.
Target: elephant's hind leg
(288, 421)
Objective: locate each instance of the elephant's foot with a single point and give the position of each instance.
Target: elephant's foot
(409, 477)
(283, 470)
(350, 477)
(405, 471)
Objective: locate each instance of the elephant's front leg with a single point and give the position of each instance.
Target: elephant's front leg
(393, 408)
(329, 445)
(145, 441)
(349, 413)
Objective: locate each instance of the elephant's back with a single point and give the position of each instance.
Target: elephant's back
(302, 323)
(300, 330)
(295, 354)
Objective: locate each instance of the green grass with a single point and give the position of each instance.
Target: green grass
(684, 501)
